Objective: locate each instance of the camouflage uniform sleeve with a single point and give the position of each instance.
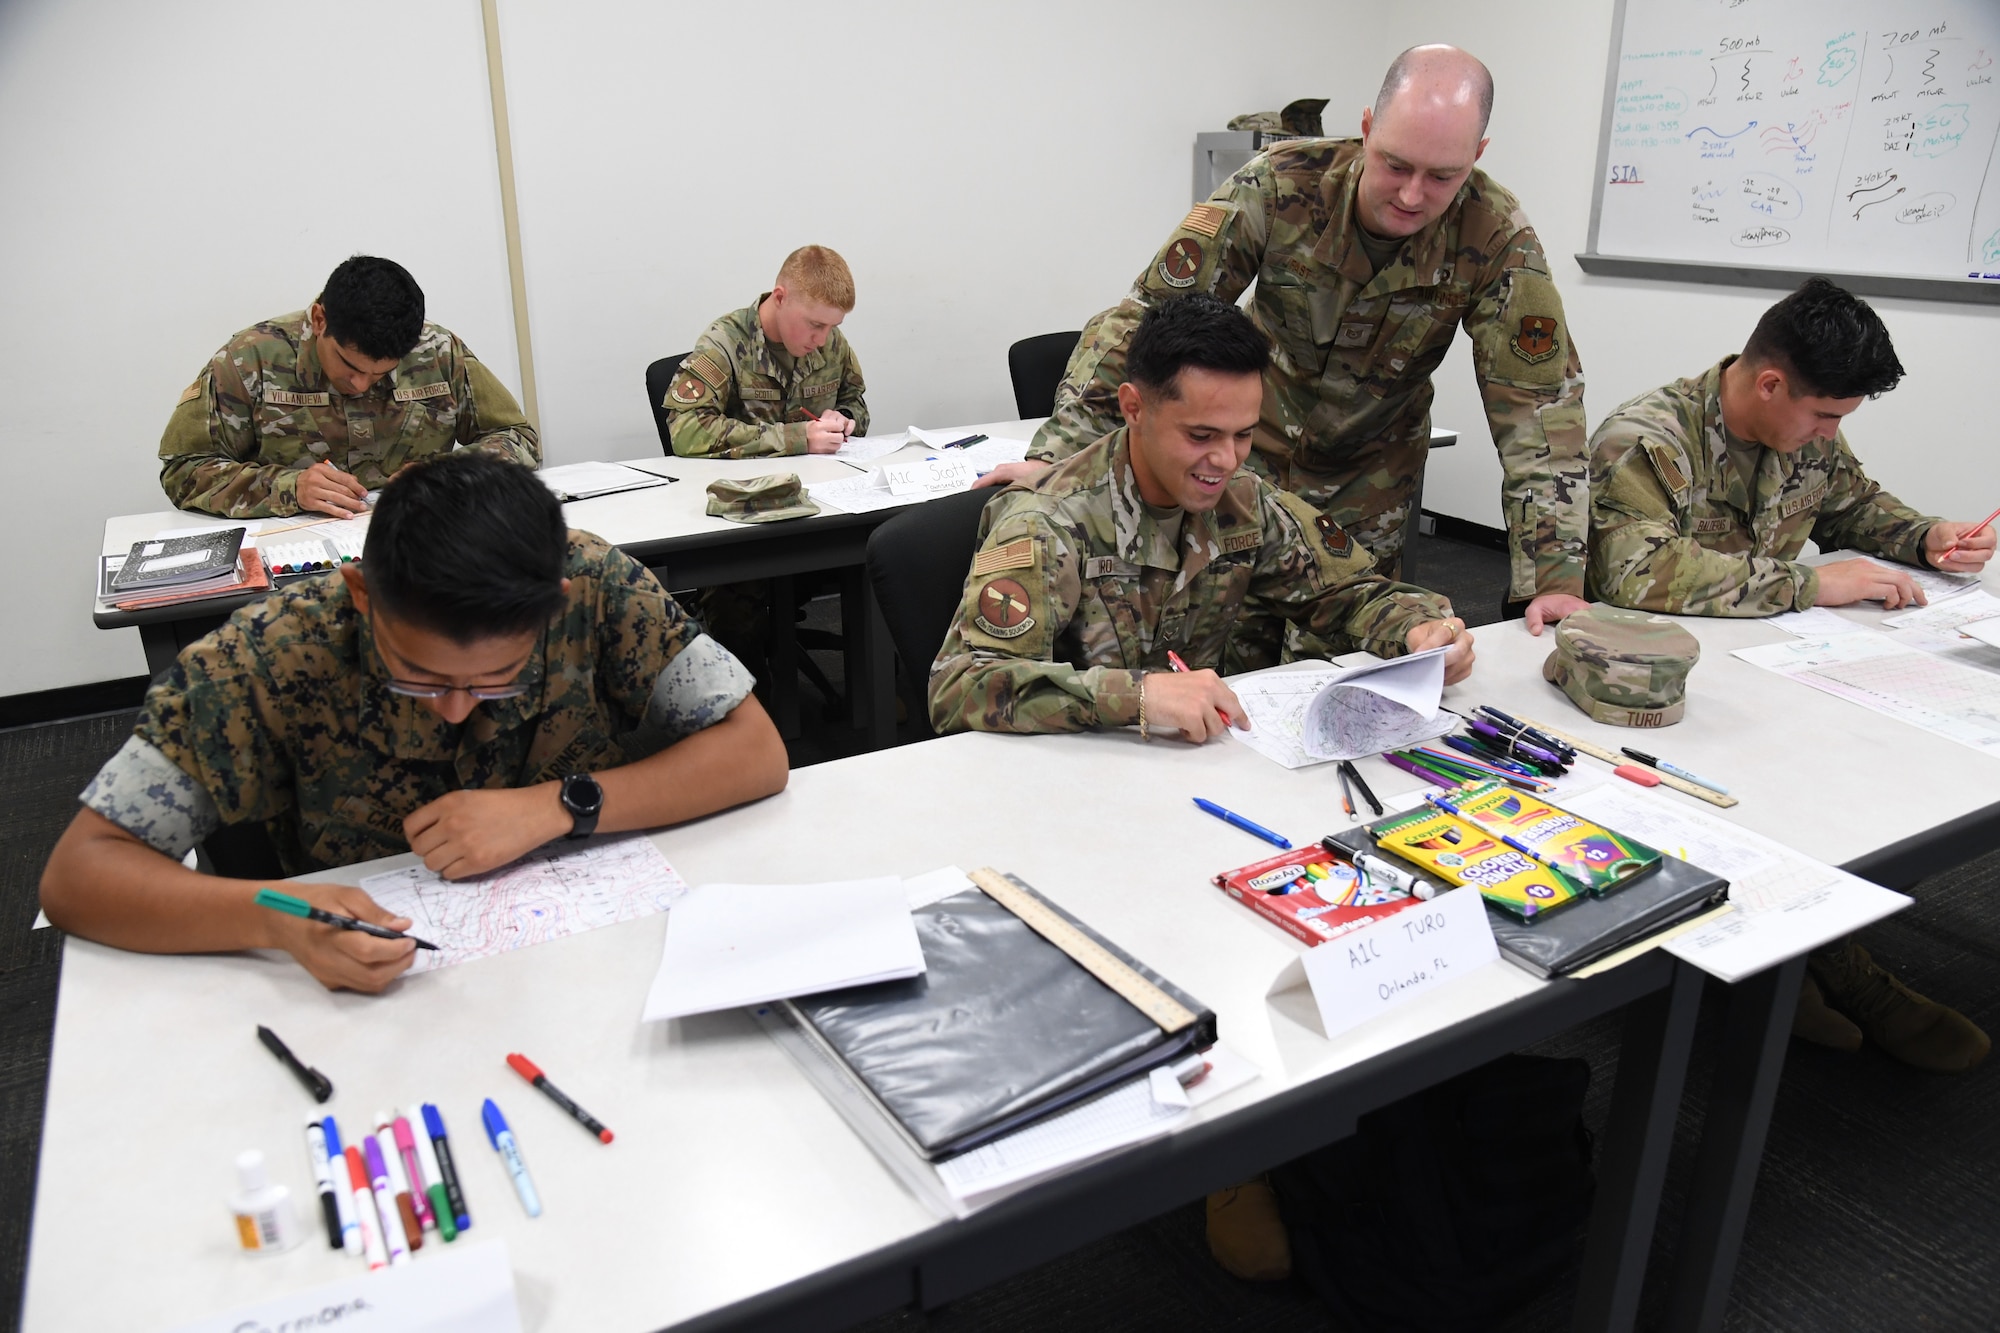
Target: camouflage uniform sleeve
(1313, 572)
(210, 440)
(853, 388)
(1639, 492)
(698, 420)
(213, 720)
(997, 670)
(1524, 354)
(1218, 248)
(1857, 514)
(666, 678)
(496, 424)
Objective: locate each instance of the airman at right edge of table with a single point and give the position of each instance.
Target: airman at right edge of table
(309, 412)
(1703, 494)
(1368, 256)
(778, 376)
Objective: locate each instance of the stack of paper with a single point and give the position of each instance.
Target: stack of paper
(583, 481)
(1301, 716)
(732, 945)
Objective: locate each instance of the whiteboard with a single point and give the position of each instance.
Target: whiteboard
(1760, 140)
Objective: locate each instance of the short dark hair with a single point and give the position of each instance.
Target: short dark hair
(467, 545)
(1828, 342)
(1194, 330)
(374, 306)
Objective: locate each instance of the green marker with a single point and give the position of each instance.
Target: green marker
(286, 903)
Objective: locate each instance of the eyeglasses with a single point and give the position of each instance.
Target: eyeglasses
(414, 689)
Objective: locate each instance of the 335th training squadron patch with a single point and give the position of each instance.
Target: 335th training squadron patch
(1002, 610)
(688, 389)
(1181, 262)
(1335, 536)
(1537, 339)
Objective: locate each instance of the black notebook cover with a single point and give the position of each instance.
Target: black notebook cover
(1589, 928)
(174, 561)
(1002, 1028)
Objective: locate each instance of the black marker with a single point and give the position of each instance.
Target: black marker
(318, 1084)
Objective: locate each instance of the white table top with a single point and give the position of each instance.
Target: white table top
(730, 1175)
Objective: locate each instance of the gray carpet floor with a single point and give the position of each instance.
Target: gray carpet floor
(1877, 1207)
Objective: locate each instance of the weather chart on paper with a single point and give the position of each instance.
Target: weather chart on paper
(544, 896)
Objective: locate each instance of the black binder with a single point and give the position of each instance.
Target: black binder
(1002, 1029)
(1590, 928)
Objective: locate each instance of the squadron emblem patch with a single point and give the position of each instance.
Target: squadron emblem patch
(1002, 609)
(687, 389)
(1335, 536)
(1536, 341)
(1181, 263)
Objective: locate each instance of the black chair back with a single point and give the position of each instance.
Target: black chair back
(660, 378)
(1036, 365)
(917, 562)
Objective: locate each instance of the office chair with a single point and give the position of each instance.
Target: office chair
(1036, 365)
(660, 378)
(917, 562)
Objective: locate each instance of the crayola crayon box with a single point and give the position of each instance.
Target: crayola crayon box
(1312, 893)
(1589, 855)
(1464, 853)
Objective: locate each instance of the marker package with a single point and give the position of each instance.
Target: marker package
(1312, 893)
(1589, 855)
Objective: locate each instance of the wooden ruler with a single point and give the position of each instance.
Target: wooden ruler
(1093, 957)
(1613, 758)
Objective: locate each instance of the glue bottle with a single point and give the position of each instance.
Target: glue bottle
(266, 1223)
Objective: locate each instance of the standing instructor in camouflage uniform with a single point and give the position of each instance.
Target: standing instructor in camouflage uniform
(1369, 254)
(311, 411)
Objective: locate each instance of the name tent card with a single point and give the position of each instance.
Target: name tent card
(465, 1289)
(1370, 971)
(922, 475)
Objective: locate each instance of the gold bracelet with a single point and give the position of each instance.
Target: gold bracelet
(1144, 734)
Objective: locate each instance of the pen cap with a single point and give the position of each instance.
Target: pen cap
(404, 1139)
(433, 1122)
(378, 1168)
(357, 1174)
(525, 1067)
(250, 1174)
(496, 1124)
(332, 1132)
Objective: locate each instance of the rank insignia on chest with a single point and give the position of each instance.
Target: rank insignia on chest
(1536, 341)
(1002, 609)
(687, 389)
(1354, 333)
(1335, 536)
(1181, 262)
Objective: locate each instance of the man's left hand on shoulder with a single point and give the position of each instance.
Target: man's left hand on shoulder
(1550, 607)
(1975, 547)
(465, 833)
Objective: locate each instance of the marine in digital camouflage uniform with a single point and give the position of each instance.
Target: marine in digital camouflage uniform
(1077, 591)
(1346, 416)
(283, 718)
(741, 395)
(262, 411)
(1677, 526)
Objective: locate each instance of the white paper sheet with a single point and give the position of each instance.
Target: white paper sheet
(1818, 622)
(1937, 585)
(461, 1288)
(1947, 698)
(1984, 631)
(544, 896)
(1784, 902)
(581, 481)
(732, 945)
(1303, 717)
(864, 449)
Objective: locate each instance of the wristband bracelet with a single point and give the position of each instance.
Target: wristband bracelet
(1144, 734)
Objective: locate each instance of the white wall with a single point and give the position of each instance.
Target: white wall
(989, 173)
(1928, 442)
(174, 173)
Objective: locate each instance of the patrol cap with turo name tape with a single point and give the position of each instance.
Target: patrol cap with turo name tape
(1624, 668)
(760, 499)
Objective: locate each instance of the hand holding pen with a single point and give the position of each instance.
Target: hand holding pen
(827, 432)
(1195, 703)
(365, 950)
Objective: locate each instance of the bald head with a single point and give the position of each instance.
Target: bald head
(1438, 78)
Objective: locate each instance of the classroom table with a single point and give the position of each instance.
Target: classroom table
(736, 1198)
(669, 529)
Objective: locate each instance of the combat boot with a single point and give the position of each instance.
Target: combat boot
(1916, 1030)
(1820, 1025)
(1246, 1235)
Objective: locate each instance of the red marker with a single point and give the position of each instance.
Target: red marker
(526, 1068)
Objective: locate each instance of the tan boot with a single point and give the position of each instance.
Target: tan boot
(1246, 1235)
(1916, 1030)
(1821, 1026)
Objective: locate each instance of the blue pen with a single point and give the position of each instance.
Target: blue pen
(1231, 817)
(343, 1200)
(434, 1126)
(1539, 737)
(510, 1153)
(1516, 747)
(1464, 746)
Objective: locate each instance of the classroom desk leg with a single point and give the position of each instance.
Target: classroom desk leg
(1756, 1026)
(871, 659)
(1638, 1138)
(783, 658)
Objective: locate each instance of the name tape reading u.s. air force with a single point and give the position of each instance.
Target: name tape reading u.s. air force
(1372, 970)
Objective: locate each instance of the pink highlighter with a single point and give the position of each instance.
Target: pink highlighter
(406, 1148)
